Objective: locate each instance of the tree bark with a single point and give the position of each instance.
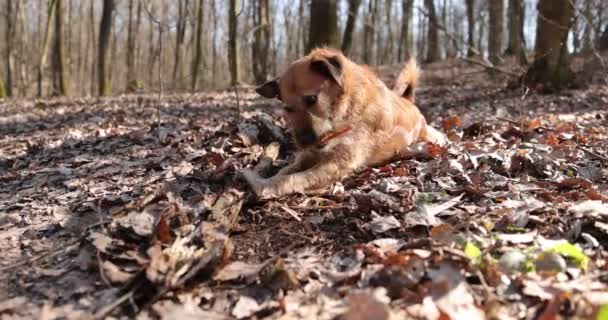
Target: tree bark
(369, 33)
(2, 91)
(347, 38)
(179, 38)
(196, 62)
(405, 39)
(587, 47)
(323, 24)
(433, 53)
(130, 50)
(8, 87)
(551, 67)
(496, 30)
(260, 49)
(516, 44)
(105, 27)
(60, 83)
(470, 7)
(233, 50)
(603, 42)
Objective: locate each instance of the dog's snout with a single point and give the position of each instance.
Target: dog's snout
(306, 137)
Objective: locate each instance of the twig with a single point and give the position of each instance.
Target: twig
(48, 254)
(238, 103)
(593, 153)
(491, 67)
(103, 312)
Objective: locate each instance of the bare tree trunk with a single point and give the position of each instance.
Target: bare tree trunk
(2, 91)
(60, 85)
(301, 30)
(105, 27)
(93, 65)
(9, 48)
(482, 29)
(260, 48)
(433, 53)
(323, 24)
(179, 38)
(470, 6)
(369, 32)
(405, 39)
(131, 85)
(603, 42)
(496, 30)
(196, 61)
(551, 66)
(588, 28)
(214, 41)
(389, 47)
(233, 51)
(353, 11)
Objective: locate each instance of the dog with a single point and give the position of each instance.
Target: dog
(343, 118)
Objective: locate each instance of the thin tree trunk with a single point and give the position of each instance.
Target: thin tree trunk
(405, 43)
(179, 38)
(301, 29)
(260, 48)
(93, 65)
(214, 41)
(353, 11)
(551, 66)
(516, 23)
(496, 30)
(603, 42)
(233, 51)
(131, 85)
(59, 70)
(9, 48)
(197, 45)
(389, 46)
(470, 6)
(105, 27)
(587, 47)
(433, 53)
(323, 24)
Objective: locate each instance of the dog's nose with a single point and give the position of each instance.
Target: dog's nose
(306, 137)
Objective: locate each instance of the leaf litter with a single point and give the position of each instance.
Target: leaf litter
(102, 219)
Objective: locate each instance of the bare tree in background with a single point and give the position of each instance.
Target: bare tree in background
(470, 7)
(496, 30)
(8, 87)
(369, 32)
(353, 11)
(131, 85)
(323, 30)
(603, 41)
(433, 53)
(105, 27)
(233, 51)
(2, 91)
(60, 83)
(260, 48)
(196, 60)
(516, 30)
(182, 16)
(405, 38)
(551, 65)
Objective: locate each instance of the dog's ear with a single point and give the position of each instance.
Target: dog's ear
(270, 89)
(330, 67)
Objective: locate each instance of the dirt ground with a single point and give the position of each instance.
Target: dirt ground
(104, 214)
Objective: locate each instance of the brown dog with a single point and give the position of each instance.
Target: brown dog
(343, 118)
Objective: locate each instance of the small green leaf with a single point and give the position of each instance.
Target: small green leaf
(472, 251)
(573, 253)
(602, 313)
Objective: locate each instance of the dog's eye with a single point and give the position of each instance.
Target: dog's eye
(289, 109)
(310, 100)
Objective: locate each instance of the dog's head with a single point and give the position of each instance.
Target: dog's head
(311, 89)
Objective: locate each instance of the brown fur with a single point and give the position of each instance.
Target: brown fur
(379, 122)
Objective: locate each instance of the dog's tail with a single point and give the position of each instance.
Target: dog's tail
(407, 81)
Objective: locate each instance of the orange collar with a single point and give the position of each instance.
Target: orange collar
(328, 136)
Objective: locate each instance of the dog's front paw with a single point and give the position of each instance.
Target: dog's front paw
(260, 186)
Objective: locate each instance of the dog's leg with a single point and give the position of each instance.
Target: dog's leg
(303, 161)
(331, 167)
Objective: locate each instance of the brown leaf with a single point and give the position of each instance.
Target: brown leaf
(451, 123)
(163, 232)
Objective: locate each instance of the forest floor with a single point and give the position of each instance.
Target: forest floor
(104, 214)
